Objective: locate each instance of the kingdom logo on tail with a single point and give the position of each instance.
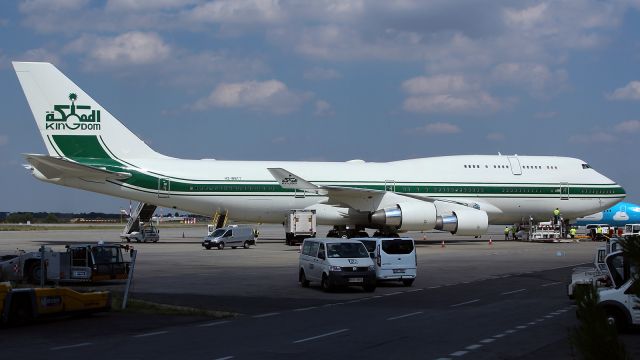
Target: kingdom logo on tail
(81, 116)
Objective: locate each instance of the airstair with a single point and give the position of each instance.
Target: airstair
(142, 213)
(220, 219)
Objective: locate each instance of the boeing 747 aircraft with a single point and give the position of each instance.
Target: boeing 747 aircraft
(89, 149)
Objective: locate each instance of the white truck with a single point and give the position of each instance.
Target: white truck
(597, 275)
(620, 305)
(299, 225)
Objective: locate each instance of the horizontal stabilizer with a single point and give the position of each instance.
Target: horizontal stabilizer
(58, 168)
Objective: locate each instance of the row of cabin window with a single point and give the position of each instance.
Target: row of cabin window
(507, 166)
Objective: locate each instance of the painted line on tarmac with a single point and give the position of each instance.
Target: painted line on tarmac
(473, 347)
(414, 290)
(513, 292)
(465, 303)
(434, 287)
(551, 284)
(305, 309)
(265, 315)
(459, 353)
(70, 346)
(487, 340)
(214, 323)
(225, 358)
(150, 334)
(320, 336)
(405, 315)
(393, 293)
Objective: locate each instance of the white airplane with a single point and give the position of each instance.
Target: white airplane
(89, 149)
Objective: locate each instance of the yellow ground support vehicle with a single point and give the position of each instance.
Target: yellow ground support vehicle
(20, 305)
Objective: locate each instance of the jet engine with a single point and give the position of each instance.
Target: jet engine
(464, 222)
(408, 216)
(420, 216)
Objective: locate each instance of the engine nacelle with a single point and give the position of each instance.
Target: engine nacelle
(409, 216)
(464, 222)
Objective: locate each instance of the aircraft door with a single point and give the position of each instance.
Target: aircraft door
(564, 191)
(164, 186)
(516, 169)
(390, 185)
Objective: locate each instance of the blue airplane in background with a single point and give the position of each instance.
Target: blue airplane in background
(618, 215)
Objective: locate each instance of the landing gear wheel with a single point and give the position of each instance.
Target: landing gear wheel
(407, 282)
(233, 247)
(303, 279)
(221, 245)
(333, 234)
(245, 245)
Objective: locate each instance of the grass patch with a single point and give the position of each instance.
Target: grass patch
(148, 307)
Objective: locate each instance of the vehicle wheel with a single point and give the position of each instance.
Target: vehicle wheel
(20, 312)
(303, 279)
(333, 234)
(369, 288)
(220, 245)
(615, 318)
(407, 282)
(325, 284)
(128, 240)
(208, 247)
(34, 273)
(245, 245)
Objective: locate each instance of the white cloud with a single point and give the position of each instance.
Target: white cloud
(527, 17)
(439, 128)
(592, 138)
(495, 136)
(144, 5)
(630, 92)
(39, 54)
(246, 12)
(28, 6)
(437, 84)
(318, 73)
(447, 94)
(323, 108)
(630, 126)
(131, 48)
(270, 95)
(4, 140)
(537, 78)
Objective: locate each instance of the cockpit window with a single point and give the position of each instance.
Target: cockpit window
(586, 166)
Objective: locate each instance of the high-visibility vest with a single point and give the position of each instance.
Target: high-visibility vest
(506, 230)
(572, 231)
(599, 230)
(556, 212)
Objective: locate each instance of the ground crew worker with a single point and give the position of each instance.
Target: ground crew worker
(572, 232)
(507, 230)
(598, 232)
(556, 215)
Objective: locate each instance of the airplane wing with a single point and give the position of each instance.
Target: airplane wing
(58, 168)
(357, 198)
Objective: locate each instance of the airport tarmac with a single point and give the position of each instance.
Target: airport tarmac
(471, 299)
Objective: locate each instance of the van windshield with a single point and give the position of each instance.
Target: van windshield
(347, 250)
(218, 233)
(369, 244)
(397, 246)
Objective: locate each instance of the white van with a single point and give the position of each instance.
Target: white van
(336, 262)
(394, 258)
(233, 236)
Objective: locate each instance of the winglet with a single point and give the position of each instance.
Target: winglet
(288, 180)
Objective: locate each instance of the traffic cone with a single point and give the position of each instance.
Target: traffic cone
(442, 245)
(490, 241)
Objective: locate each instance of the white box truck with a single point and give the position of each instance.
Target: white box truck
(299, 225)
(621, 306)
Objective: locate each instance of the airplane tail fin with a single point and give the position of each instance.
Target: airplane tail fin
(71, 123)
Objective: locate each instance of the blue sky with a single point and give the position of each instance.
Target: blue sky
(332, 80)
